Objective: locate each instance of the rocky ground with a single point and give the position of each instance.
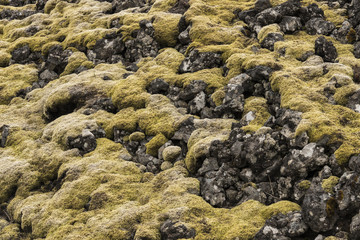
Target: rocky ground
(179, 119)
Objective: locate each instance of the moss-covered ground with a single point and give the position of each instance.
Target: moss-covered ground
(51, 192)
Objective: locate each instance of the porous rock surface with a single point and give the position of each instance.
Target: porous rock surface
(179, 119)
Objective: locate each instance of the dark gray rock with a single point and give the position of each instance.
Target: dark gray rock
(176, 230)
(269, 41)
(290, 24)
(56, 59)
(197, 61)
(311, 11)
(319, 209)
(180, 7)
(144, 45)
(108, 49)
(158, 86)
(357, 49)
(48, 75)
(261, 5)
(119, 5)
(197, 104)
(325, 49)
(15, 14)
(86, 142)
(342, 33)
(319, 26)
(355, 227)
(268, 16)
(354, 163)
(5, 131)
(184, 36)
(282, 227)
(191, 90)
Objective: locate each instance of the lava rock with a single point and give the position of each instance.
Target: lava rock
(175, 230)
(319, 209)
(109, 49)
(86, 142)
(197, 61)
(144, 45)
(355, 227)
(5, 131)
(310, 12)
(119, 5)
(158, 86)
(325, 49)
(357, 49)
(184, 36)
(319, 26)
(15, 14)
(290, 24)
(261, 5)
(192, 90)
(268, 16)
(171, 153)
(180, 7)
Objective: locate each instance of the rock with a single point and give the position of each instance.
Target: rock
(5, 131)
(144, 45)
(184, 36)
(158, 86)
(319, 209)
(290, 24)
(15, 14)
(209, 164)
(341, 34)
(197, 61)
(197, 104)
(282, 226)
(269, 41)
(176, 230)
(21, 54)
(268, 16)
(355, 227)
(86, 142)
(171, 153)
(325, 49)
(48, 75)
(109, 49)
(180, 7)
(310, 12)
(119, 5)
(357, 49)
(319, 26)
(261, 5)
(192, 90)
(348, 193)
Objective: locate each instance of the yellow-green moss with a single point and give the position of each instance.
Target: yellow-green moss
(329, 183)
(341, 95)
(304, 185)
(14, 78)
(259, 107)
(154, 144)
(137, 136)
(125, 119)
(76, 60)
(218, 97)
(166, 28)
(272, 28)
(4, 58)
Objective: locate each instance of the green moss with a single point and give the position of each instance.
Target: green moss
(125, 119)
(166, 27)
(154, 144)
(76, 60)
(259, 107)
(137, 136)
(304, 185)
(4, 59)
(341, 95)
(329, 183)
(218, 97)
(15, 78)
(272, 28)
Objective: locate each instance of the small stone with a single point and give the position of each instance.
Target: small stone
(290, 24)
(319, 26)
(166, 165)
(269, 41)
(137, 136)
(158, 86)
(171, 153)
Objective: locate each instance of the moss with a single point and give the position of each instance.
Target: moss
(341, 95)
(272, 28)
(162, 5)
(15, 78)
(218, 97)
(329, 183)
(4, 59)
(171, 153)
(125, 119)
(137, 136)
(304, 185)
(259, 107)
(166, 27)
(154, 144)
(76, 60)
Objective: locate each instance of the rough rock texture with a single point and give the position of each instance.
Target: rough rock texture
(177, 119)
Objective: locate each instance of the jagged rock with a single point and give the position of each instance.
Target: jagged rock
(176, 230)
(14, 14)
(311, 12)
(268, 16)
(290, 24)
(184, 36)
(119, 5)
(282, 227)
(355, 227)
(86, 142)
(108, 49)
(144, 45)
(197, 61)
(158, 86)
(269, 41)
(325, 49)
(23, 55)
(5, 131)
(319, 26)
(180, 7)
(192, 90)
(357, 49)
(319, 209)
